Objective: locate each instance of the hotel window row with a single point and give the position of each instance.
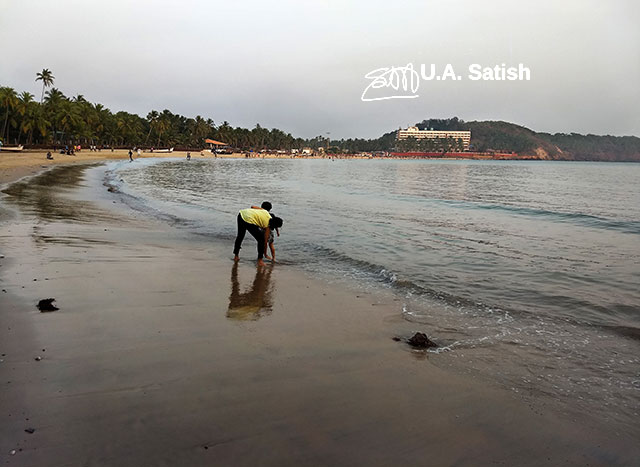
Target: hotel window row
(414, 132)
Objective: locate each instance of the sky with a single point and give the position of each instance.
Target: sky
(300, 65)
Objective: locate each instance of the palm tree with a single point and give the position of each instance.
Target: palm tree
(9, 100)
(104, 116)
(69, 118)
(24, 104)
(34, 120)
(199, 130)
(152, 118)
(47, 80)
(53, 101)
(54, 98)
(134, 129)
(225, 131)
(24, 99)
(163, 124)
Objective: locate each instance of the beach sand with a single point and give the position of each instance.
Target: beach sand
(165, 352)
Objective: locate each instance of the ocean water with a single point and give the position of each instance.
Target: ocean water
(526, 273)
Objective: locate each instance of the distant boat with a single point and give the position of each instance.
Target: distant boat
(11, 148)
(163, 150)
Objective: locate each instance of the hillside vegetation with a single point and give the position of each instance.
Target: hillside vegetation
(509, 137)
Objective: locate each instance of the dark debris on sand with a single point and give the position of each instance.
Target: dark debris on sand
(46, 305)
(418, 341)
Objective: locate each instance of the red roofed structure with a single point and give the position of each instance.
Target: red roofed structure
(214, 142)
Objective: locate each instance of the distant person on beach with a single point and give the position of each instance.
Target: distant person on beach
(188, 156)
(49, 156)
(259, 223)
(130, 155)
(139, 152)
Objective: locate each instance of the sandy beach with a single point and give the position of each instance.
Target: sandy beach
(165, 352)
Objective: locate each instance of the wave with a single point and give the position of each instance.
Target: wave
(630, 332)
(588, 220)
(380, 274)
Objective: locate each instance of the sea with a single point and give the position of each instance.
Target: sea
(526, 273)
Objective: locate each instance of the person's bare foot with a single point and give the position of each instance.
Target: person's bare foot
(261, 263)
(236, 258)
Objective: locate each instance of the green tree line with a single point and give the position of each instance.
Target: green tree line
(59, 119)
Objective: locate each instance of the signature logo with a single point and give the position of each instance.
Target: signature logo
(402, 82)
(401, 78)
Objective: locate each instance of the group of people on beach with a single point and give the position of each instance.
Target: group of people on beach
(261, 224)
(70, 150)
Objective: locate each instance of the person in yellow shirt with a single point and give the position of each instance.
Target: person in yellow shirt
(259, 223)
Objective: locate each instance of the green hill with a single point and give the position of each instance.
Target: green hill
(509, 137)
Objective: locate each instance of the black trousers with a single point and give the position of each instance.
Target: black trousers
(254, 230)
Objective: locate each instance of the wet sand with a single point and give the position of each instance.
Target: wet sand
(165, 352)
(14, 165)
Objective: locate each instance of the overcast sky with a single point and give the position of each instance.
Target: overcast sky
(300, 66)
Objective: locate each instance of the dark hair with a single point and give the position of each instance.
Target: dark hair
(275, 222)
(266, 205)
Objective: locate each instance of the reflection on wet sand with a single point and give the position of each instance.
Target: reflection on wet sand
(255, 302)
(43, 196)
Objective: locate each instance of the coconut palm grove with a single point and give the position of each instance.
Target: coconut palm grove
(59, 119)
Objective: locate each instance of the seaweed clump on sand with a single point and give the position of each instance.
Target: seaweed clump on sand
(46, 304)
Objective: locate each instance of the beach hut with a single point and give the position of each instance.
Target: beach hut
(213, 144)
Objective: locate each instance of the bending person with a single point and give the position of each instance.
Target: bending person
(259, 223)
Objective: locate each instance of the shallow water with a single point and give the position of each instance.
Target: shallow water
(526, 271)
(47, 196)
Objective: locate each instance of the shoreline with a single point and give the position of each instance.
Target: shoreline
(14, 166)
(163, 351)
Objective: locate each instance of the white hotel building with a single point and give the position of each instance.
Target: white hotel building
(413, 132)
